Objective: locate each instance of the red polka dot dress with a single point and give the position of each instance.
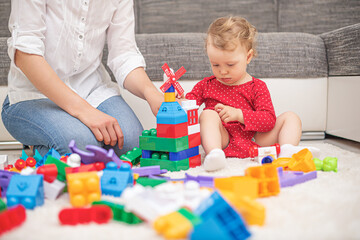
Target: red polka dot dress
(252, 97)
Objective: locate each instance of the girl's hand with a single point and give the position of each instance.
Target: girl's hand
(104, 127)
(229, 114)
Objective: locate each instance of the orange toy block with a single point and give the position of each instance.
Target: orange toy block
(83, 188)
(302, 161)
(282, 162)
(173, 226)
(268, 177)
(240, 186)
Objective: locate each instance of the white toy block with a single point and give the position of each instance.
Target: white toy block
(54, 189)
(193, 129)
(189, 105)
(28, 171)
(74, 160)
(3, 161)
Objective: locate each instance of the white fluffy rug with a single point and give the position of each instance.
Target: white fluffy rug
(324, 208)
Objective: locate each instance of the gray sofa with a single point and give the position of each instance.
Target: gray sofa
(308, 54)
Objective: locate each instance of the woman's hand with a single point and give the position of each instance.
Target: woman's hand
(229, 114)
(103, 126)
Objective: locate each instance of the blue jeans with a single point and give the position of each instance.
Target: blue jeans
(42, 124)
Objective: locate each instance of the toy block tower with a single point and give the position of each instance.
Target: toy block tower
(170, 144)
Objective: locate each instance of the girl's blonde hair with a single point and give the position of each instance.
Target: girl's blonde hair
(227, 32)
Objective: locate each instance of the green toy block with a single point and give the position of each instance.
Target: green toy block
(149, 141)
(195, 220)
(132, 156)
(318, 164)
(144, 181)
(2, 205)
(165, 164)
(119, 213)
(330, 164)
(60, 167)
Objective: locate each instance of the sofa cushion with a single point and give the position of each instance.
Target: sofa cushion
(343, 50)
(4, 18)
(169, 16)
(291, 55)
(317, 16)
(4, 61)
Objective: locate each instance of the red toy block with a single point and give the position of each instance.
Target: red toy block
(30, 162)
(195, 161)
(49, 171)
(12, 218)
(98, 166)
(10, 166)
(172, 130)
(194, 140)
(99, 214)
(20, 164)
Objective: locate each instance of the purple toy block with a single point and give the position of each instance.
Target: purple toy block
(291, 178)
(5, 177)
(96, 154)
(204, 181)
(150, 170)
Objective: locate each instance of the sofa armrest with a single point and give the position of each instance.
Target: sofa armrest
(342, 48)
(4, 61)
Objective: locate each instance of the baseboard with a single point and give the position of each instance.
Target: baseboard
(313, 136)
(10, 145)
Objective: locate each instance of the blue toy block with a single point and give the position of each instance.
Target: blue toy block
(25, 190)
(146, 154)
(171, 113)
(170, 89)
(24, 156)
(52, 152)
(216, 211)
(114, 180)
(37, 156)
(187, 153)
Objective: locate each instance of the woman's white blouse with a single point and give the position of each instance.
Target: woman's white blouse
(70, 35)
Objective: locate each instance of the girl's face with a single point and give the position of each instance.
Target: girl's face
(229, 67)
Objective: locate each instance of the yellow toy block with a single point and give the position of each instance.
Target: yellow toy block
(302, 161)
(169, 96)
(239, 185)
(268, 178)
(83, 188)
(282, 162)
(173, 226)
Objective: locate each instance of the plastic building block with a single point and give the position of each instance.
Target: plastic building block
(25, 190)
(98, 166)
(195, 220)
(20, 164)
(3, 161)
(173, 226)
(99, 214)
(204, 181)
(12, 218)
(30, 162)
(83, 188)
(2, 205)
(171, 113)
(49, 171)
(187, 153)
(291, 178)
(61, 176)
(150, 181)
(220, 220)
(5, 177)
(114, 181)
(169, 96)
(38, 158)
(54, 189)
(166, 164)
(149, 141)
(74, 160)
(195, 161)
(239, 186)
(258, 153)
(282, 162)
(119, 213)
(172, 130)
(302, 161)
(330, 164)
(52, 152)
(268, 179)
(28, 171)
(172, 79)
(191, 110)
(150, 170)
(146, 154)
(194, 140)
(318, 164)
(267, 159)
(96, 154)
(132, 156)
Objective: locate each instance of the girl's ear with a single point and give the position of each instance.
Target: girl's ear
(250, 55)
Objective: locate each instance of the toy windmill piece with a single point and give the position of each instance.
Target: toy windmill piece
(172, 81)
